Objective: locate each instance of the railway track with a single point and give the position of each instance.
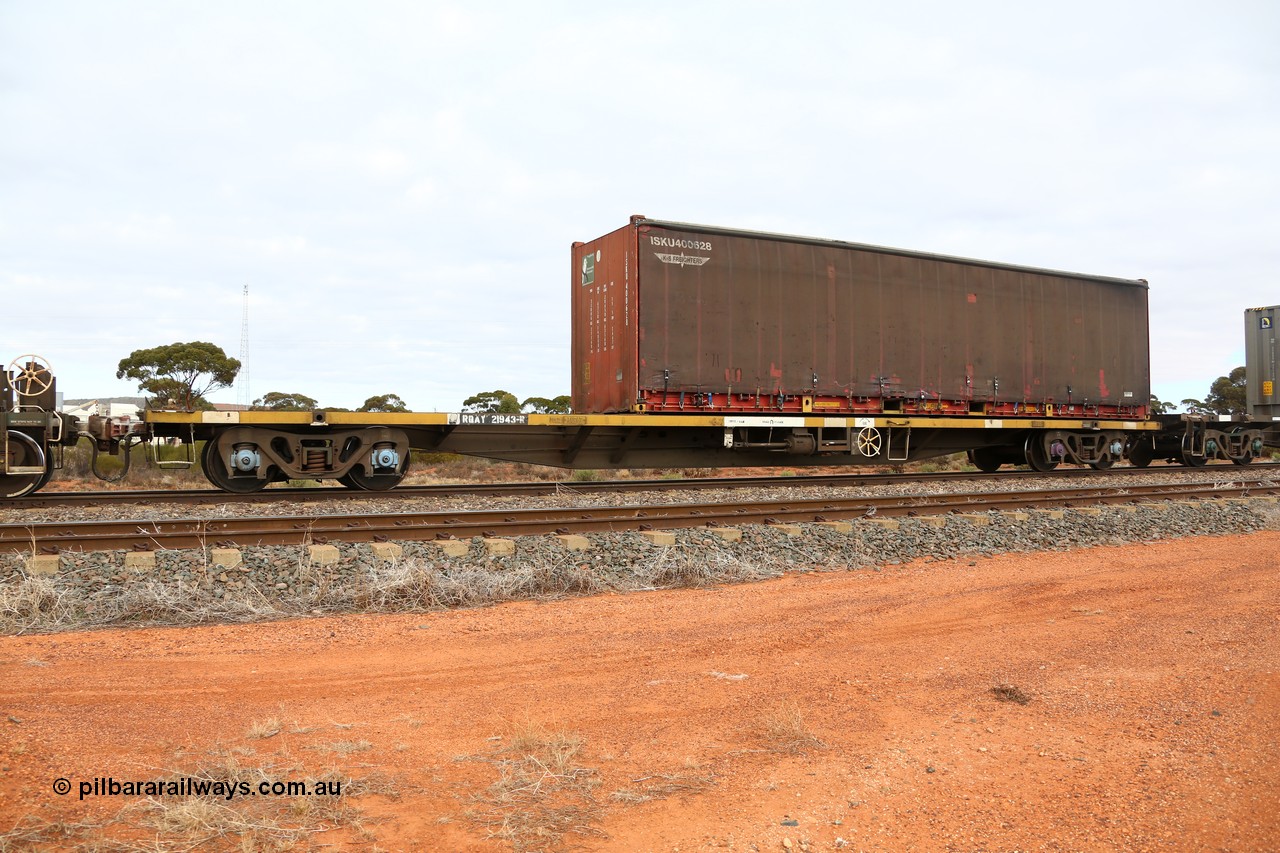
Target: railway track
(54, 537)
(542, 489)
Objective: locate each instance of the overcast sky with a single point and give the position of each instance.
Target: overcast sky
(398, 184)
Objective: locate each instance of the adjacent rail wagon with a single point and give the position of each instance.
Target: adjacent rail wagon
(1262, 363)
(32, 432)
(698, 346)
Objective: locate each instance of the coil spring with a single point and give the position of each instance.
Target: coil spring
(314, 460)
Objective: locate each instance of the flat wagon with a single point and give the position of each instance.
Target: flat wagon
(699, 346)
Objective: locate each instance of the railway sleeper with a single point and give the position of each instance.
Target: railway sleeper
(246, 459)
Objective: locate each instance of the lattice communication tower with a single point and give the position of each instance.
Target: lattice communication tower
(243, 395)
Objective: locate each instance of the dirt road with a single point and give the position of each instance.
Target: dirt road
(846, 710)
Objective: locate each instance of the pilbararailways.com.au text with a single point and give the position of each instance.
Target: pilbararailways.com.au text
(190, 787)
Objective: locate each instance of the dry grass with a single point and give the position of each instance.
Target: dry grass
(255, 822)
(676, 568)
(43, 604)
(201, 821)
(39, 602)
(784, 730)
(263, 729)
(409, 720)
(161, 824)
(542, 793)
(659, 786)
(346, 747)
(728, 676)
(1005, 692)
(34, 833)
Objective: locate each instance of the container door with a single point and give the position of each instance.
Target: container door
(604, 327)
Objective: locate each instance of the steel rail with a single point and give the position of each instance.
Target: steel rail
(562, 487)
(52, 537)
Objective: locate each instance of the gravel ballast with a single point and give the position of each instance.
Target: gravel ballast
(345, 502)
(186, 587)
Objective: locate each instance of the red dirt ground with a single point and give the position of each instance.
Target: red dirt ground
(1153, 721)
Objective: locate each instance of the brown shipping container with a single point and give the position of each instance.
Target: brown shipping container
(671, 317)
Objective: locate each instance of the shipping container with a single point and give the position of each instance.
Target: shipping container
(1260, 363)
(672, 317)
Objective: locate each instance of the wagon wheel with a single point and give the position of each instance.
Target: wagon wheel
(34, 372)
(985, 459)
(23, 452)
(1037, 458)
(47, 475)
(1247, 456)
(1141, 451)
(1187, 457)
(357, 479)
(869, 441)
(216, 471)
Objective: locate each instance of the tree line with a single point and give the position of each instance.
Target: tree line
(182, 375)
(1227, 396)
